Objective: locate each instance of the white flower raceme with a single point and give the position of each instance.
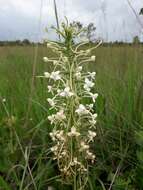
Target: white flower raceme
(91, 135)
(66, 92)
(82, 110)
(55, 75)
(45, 59)
(93, 96)
(73, 121)
(73, 132)
(51, 101)
(88, 84)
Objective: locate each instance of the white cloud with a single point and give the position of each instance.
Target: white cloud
(114, 19)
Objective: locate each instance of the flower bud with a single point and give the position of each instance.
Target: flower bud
(45, 59)
(92, 58)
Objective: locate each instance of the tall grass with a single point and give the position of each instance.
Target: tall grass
(119, 144)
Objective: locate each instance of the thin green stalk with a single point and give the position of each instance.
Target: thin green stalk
(32, 86)
(25, 159)
(57, 20)
(25, 169)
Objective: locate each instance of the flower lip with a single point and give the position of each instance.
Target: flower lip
(81, 110)
(51, 118)
(66, 92)
(60, 115)
(55, 75)
(51, 102)
(73, 132)
(88, 84)
(92, 75)
(93, 96)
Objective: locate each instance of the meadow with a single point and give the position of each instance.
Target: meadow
(24, 130)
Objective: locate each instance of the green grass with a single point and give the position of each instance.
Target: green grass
(119, 143)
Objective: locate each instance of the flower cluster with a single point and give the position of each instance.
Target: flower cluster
(74, 121)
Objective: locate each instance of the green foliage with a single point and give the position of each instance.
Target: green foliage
(141, 11)
(136, 40)
(3, 184)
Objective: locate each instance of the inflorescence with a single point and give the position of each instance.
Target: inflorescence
(71, 100)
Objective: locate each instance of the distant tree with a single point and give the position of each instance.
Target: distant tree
(90, 32)
(141, 11)
(77, 24)
(136, 40)
(26, 42)
(18, 42)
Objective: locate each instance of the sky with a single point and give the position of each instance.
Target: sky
(114, 19)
